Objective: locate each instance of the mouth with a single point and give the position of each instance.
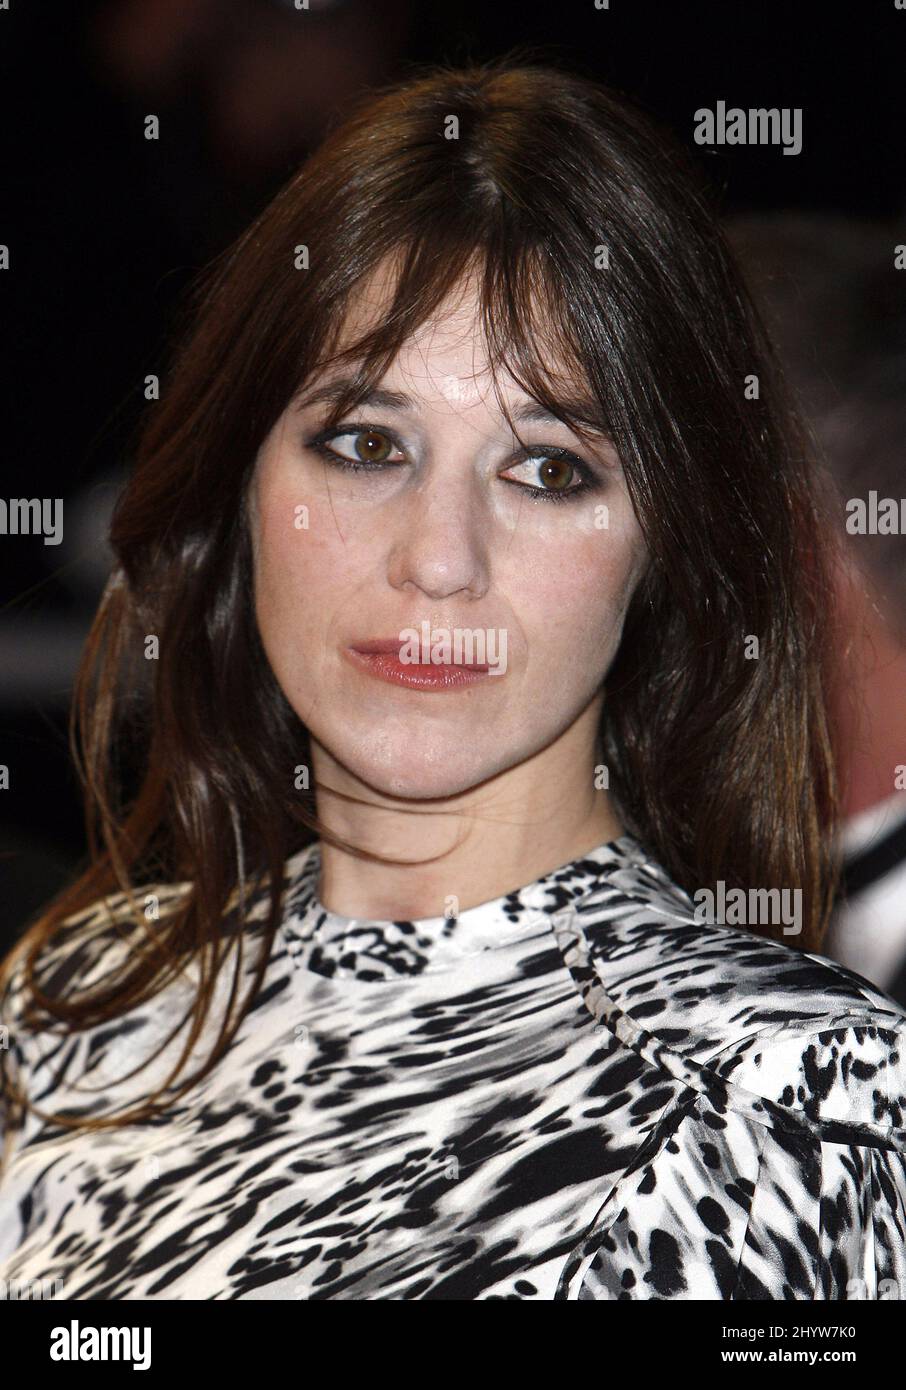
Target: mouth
(380, 658)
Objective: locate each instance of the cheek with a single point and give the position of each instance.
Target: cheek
(302, 563)
(302, 571)
(573, 610)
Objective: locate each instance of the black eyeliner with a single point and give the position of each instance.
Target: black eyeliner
(589, 482)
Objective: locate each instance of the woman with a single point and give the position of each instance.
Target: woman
(455, 744)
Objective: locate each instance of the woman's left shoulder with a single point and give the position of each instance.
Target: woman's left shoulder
(767, 1019)
(778, 1171)
(840, 1064)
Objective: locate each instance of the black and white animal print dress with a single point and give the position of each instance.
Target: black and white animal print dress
(576, 1091)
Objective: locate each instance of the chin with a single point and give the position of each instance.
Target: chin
(414, 769)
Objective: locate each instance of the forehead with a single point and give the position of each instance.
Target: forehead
(447, 356)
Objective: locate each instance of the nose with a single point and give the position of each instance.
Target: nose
(440, 540)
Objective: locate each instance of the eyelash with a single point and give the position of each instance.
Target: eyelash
(588, 480)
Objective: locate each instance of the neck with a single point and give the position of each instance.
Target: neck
(485, 842)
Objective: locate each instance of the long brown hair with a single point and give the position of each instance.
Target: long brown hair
(595, 239)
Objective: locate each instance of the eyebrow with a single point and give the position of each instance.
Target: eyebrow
(584, 411)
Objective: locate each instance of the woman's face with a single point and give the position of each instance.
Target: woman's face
(445, 538)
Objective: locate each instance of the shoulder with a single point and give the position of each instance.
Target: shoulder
(779, 1168)
(88, 948)
(793, 1027)
(85, 944)
(82, 953)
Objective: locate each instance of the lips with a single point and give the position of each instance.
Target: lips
(380, 657)
(390, 646)
(379, 647)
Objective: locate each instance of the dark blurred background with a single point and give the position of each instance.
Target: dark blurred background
(105, 229)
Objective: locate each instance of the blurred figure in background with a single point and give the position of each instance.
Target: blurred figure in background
(836, 304)
(249, 88)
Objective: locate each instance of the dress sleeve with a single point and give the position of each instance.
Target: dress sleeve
(741, 1193)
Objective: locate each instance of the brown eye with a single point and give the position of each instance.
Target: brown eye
(551, 474)
(555, 474)
(357, 446)
(372, 446)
